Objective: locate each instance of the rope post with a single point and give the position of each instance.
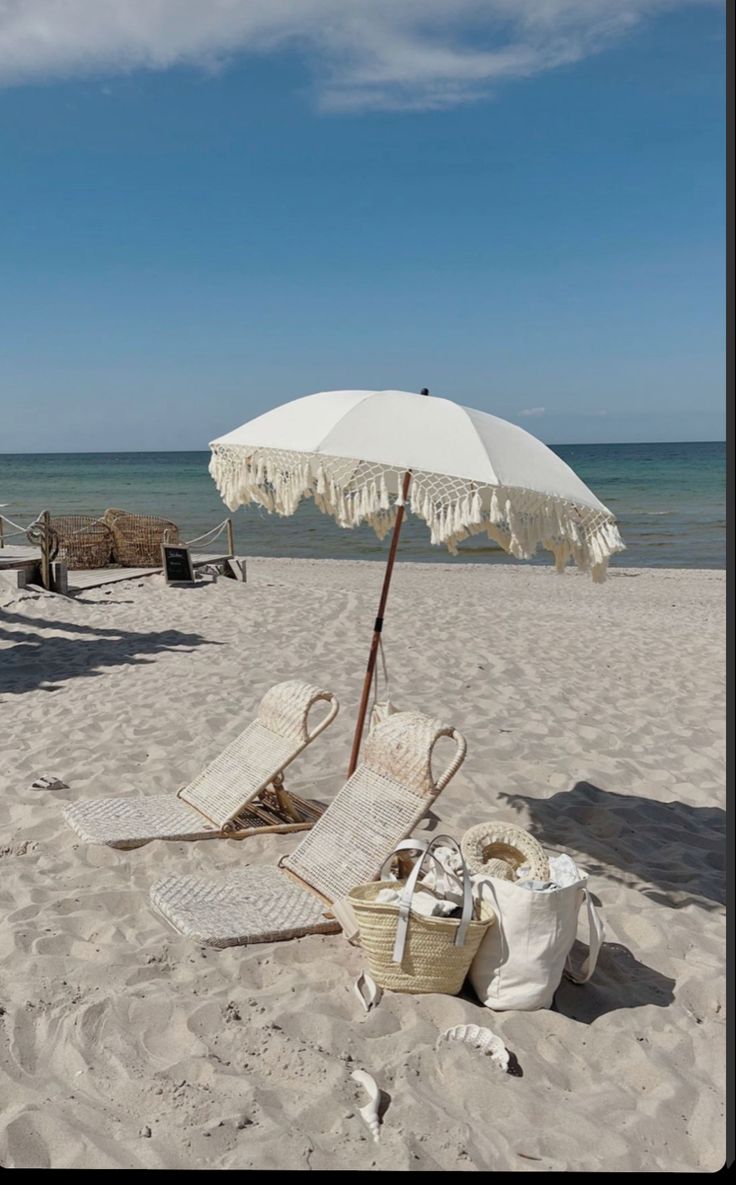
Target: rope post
(46, 550)
(230, 538)
(2, 532)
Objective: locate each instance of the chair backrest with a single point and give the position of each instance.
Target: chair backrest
(260, 752)
(380, 804)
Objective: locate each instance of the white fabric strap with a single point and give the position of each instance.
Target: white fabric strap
(386, 680)
(405, 845)
(402, 925)
(596, 934)
(342, 912)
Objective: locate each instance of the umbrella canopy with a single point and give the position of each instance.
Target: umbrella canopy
(470, 472)
(364, 455)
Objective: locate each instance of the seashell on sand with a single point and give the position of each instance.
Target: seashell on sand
(484, 1040)
(369, 1113)
(367, 991)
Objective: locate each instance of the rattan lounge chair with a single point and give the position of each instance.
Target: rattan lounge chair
(240, 793)
(380, 804)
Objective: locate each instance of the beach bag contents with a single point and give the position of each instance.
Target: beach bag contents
(505, 851)
(522, 958)
(412, 941)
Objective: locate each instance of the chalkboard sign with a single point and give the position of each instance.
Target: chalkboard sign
(177, 564)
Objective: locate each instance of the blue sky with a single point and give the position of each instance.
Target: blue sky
(199, 221)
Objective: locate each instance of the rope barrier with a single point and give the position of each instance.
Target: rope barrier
(98, 522)
(211, 535)
(214, 532)
(19, 529)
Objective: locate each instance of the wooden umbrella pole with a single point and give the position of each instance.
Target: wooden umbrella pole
(377, 628)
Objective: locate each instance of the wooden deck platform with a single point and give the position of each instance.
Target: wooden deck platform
(13, 557)
(84, 579)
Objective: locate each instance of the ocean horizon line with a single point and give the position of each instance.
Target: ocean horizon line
(206, 448)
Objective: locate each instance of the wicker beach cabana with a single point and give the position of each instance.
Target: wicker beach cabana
(81, 541)
(137, 538)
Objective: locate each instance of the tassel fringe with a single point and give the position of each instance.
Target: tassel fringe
(353, 492)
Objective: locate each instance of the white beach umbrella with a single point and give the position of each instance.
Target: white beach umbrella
(363, 456)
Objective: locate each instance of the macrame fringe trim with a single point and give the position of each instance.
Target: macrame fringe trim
(353, 492)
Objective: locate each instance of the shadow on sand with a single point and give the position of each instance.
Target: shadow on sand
(672, 852)
(620, 981)
(35, 662)
(32, 624)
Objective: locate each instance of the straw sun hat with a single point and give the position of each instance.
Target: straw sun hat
(501, 849)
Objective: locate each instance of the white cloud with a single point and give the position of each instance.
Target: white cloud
(529, 413)
(405, 54)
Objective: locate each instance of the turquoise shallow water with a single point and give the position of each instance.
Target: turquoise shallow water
(670, 501)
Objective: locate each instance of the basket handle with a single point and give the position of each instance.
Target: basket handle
(427, 851)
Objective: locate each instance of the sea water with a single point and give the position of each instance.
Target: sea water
(669, 500)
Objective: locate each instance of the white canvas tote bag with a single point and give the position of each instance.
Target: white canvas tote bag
(522, 958)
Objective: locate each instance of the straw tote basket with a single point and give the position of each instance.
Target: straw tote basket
(406, 951)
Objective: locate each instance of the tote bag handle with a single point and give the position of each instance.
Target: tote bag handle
(596, 934)
(427, 852)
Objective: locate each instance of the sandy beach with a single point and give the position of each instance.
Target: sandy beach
(594, 716)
